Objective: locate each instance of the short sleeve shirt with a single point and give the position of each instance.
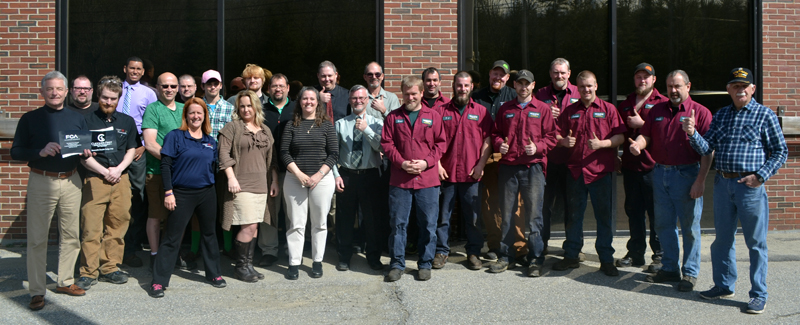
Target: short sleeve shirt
(159, 117)
(192, 159)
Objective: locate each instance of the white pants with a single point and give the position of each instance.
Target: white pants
(303, 204)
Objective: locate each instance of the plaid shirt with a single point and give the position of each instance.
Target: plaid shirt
(747, 140)
(221, 115)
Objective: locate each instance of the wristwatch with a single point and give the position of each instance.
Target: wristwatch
(759, 178)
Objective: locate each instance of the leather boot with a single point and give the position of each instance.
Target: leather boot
(251, 250)
(240, 270)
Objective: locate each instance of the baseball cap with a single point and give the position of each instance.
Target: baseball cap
(741, 75)
(501, 64)
(211, 74)
(524, 75)
(646, 67)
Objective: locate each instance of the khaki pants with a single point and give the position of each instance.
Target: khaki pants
(105, 217)
(490, 213)
(48, 195)
(303, 204)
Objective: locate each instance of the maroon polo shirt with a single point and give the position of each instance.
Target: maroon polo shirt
(464, 134)
(424, 141)
(669, 144)
(558, 155)
(441, 100)
(519, 124)
(642, 162)
(601, 119)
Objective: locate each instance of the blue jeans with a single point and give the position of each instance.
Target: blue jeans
(734, 201)
(578, 193)
(470, 200)
(529, 182)
(427, 200)
(638, 201)
(673, 204)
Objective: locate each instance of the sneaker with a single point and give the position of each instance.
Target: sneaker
(394, 275)
(687, 284)
(267, 260)
(85, 282)
(498, 267)
(424, 274)
(219, 282)
(756, 305)
(293, 272)
(117, 277)
(629, 261)
(716, 293)
(609, 269)
(664, 276)
(567, 263)
(439, 260)
(156, 291)
(316, 270)
(132, 260)
(534, 270)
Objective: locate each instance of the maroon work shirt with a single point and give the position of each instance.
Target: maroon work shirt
(669, 144)
(601, 119)
(558, 155)
(642, 162)
(464, 134)
(425, 140)
(440, 101)
(519, 124)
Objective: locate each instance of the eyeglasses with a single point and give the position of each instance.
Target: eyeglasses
(82, 88)
(277, 87)
(169, 86)
(360, 99)
(374, 75)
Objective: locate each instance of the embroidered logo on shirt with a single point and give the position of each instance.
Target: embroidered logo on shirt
(626, 109)
(548, 101)
(427, 121)
(447, 118)
(534, 114)
(573, 100)
(510, 115)
(683, 118)
(576, 115)
(472, 117)
(399, 120)
(599, 115)
(208, 145)
(648, 106)
(659, 119)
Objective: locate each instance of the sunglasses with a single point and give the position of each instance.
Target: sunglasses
(169, 86)
(375, 75)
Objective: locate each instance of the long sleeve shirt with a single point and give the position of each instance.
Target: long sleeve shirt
(599, 119)
(642, 162)
(141, 96)
(464, 132)
(371, 143)
(309, 146)
(390, 101)
(37, 128)
(519, 125)
(424, 140)
(745, 140)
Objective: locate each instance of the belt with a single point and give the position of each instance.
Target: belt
(735, 175)
(53, 174)
(356, 171)
(676, 166)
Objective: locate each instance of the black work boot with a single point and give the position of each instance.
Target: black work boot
(241, 271)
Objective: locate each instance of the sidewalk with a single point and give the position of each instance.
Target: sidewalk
(454, 295)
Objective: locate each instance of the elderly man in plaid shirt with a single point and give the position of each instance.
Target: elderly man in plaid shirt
(750, 148)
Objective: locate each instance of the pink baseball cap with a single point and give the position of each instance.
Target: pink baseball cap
(211, 74)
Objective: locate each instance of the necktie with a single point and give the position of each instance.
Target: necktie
(329, 109)
(126, 103)
(358, 145)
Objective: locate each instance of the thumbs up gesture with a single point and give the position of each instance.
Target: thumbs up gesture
(688, 124)
(569, 141)
(554, 108)
(530, 148)
(504, 146)
(635, 121)
(595, 142)
(635, 149)
(324, 95)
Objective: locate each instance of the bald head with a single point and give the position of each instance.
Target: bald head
(167, 87)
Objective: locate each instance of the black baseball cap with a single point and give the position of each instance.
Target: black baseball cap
(741, 75)
(646, 67)
(524, 74)
(501, 64)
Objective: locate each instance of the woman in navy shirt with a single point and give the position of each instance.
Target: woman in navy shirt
(187, 170)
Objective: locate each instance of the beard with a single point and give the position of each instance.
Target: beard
(560, 84)
(461, 100)
(645, 91)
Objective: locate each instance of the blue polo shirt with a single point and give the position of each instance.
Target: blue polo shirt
(192, 159)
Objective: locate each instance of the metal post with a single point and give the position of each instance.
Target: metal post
(221, 41)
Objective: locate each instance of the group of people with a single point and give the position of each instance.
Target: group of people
(514, 157)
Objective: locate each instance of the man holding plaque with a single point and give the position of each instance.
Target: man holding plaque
(53, 185)
(107, 190)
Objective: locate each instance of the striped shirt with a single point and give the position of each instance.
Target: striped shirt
(747, 140)
(309, 146)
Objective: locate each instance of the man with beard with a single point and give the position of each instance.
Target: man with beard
(107, 192)
(278, 111)
(133, 102)
(432, 96)
(186, 88)
(357, 180)
(637, 170)
(467, 129)
(81, 95)
(559, 94)
(414, 141)
(524, 132)
(381, 102)
(679, 179)
(333, 96)
(254, 78)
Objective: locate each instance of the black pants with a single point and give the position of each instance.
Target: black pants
(555, 197)
(203, 202)
(360, 188)
(638, 201)
(136, 234)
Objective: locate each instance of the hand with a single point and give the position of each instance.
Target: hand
(233, 185)
(274, 189)
(137, 154)
(339, 184)
(595, 143)
(313, 180)
(361, 125)
(688, 124)
(569, 141)
(635, 121)
(504, 146)
(409, 167)
(442, 173)
(169, 202)
(51, 149)
(530, 148)
(324, 95)
(303, 178)
(554, 108)
(750, 180)
(421, 165)
(698, 188)
(114, 175)
(377, 104)
(477, 172)
(635, 149)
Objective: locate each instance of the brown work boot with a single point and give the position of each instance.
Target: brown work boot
(439, 260)
(474, 263)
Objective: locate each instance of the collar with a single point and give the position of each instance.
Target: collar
(380, 93)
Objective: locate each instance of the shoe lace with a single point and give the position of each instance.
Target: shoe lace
(157, 287)
(219, 278)
(754, 301)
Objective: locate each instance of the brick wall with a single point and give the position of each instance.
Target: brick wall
(418, 35)
(27, 52)
(781, 81)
